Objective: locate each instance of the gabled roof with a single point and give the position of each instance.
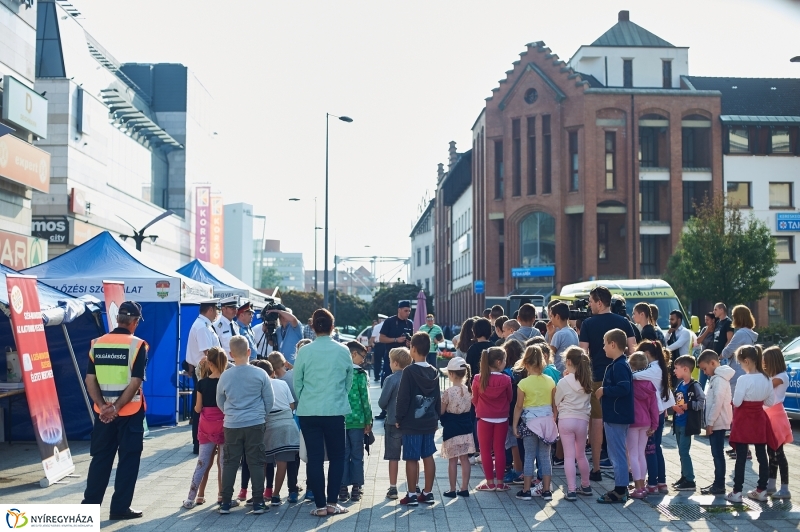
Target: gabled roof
(626, 33)
(458, 179)
(753, 96)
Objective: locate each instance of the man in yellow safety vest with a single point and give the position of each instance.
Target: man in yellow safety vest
(114, 379)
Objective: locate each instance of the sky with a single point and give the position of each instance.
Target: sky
(413, 75)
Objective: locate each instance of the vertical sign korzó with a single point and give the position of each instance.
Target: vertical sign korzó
(37, 375)
(217, 233)
(202, 229)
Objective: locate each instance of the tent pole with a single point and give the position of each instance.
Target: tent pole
(178, 367)
(78, 373)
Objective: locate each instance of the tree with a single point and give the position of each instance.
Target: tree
(350, 310)
(270, 278)
(303, 304)
(385, 299)
(723, 256)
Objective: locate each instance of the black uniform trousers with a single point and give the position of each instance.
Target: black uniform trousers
(125, 436)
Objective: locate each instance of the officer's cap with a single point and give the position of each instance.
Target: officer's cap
(131, 309)
(230, 302)
(244, 306)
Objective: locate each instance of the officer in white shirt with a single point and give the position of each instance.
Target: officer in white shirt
(202, 337)
(226, 327)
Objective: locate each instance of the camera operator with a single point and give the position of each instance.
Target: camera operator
(593, 330)
(396, 332)
(287, 333)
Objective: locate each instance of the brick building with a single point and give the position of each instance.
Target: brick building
(578, 170)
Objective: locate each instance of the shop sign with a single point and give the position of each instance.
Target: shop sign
(538, 271)
(787, 221)
(83, 232)
(202, 229)
(24, 107)
(24, 164)
(20, 251)
(54, 229)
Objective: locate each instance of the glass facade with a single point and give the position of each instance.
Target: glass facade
(538, 240)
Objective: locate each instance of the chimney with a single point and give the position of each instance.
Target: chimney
(453, 155)
(624, 16)
(440, 171)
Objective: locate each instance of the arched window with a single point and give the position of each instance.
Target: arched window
(537, 240)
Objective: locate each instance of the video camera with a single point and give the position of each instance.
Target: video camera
(270, 316)
(579, 310)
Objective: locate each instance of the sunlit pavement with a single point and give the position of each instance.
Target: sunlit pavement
(167, 466)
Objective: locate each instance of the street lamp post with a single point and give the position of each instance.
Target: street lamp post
(343, 119)
(139, 236)
(316, 228)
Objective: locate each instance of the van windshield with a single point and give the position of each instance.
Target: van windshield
(665, 306)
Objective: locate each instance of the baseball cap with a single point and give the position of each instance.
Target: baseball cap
(404, 304)
(131, 309)
(456, 364)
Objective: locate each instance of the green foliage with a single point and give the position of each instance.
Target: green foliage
(723, 256)
(303, 304)
(270, 278)
(385, 299)
(350, 310)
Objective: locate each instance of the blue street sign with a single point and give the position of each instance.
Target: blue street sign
(537, 271)
(479, 287)
(787, 221)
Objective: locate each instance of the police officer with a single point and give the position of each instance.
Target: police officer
(114, 378)
(396, 332)
(244, 316)
(226, 327)
(202, 337)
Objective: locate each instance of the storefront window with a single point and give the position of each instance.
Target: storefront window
(538, 237)
(779, 305)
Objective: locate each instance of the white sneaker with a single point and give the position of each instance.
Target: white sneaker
(478, 459)
(782, 494)
(536, 489)
(471, 460)
(734, 496)
(757, 495)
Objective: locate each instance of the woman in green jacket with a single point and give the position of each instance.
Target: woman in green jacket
(323, 375)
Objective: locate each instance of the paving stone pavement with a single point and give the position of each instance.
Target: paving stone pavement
(167, 466)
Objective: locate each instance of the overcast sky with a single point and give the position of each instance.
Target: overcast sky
(413, 75)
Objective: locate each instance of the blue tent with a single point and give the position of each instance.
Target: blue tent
(161, 294)
(82, 323)
(225, 283)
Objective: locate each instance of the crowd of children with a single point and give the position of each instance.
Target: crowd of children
(509, 406)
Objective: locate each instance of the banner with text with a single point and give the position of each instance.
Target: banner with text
(202, 216)
(37, 375)
(114, 294)
(217, 233)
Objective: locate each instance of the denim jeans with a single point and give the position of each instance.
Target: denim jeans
(616, 434)
(684, 446)
(717, 442)
(656, 468)
(323, 434)
(353, 458)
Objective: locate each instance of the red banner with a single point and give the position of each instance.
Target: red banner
(37, 374)
(114, 293)
(202, 226)
(217, 256)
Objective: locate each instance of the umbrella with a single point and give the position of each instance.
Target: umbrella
(422, 311)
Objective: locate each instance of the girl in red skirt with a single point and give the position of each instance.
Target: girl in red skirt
(210, 431)
(750, 422)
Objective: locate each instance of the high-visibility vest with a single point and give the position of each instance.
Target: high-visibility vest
(113, 356)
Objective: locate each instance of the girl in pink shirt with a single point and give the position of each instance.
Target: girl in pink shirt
(491, 395)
